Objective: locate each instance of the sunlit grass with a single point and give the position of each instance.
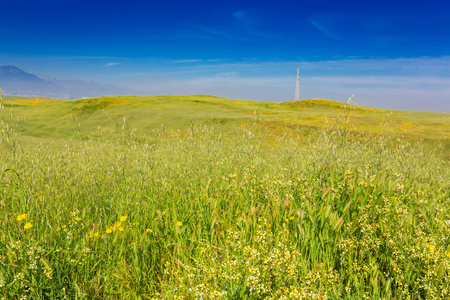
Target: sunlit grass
(255, 211)
(45, 117)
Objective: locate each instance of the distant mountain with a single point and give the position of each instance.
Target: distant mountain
(11, 73)
(14, 81)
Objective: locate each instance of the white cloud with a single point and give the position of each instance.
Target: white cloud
(181, 61)
(110, 64)
(79, 57)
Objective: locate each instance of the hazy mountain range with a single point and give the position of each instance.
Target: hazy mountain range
(14, 81)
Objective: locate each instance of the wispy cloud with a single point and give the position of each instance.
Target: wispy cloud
(337, 26)
(182, 61)
(194, 60)
(208, 33)
(364, 27)
(325, 29)
(245, 19)
(409, 67)
(244, 25)
(110, 64)
(249, 23)
(376, 28)
(80, 57)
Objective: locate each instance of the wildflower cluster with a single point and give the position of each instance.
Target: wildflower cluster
(263, 268)
(29, 266)
(118, 226)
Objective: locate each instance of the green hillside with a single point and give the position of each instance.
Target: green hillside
(47, 117)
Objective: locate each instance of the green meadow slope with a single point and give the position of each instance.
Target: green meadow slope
(59, 118)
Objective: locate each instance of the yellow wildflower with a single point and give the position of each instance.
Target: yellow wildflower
(179, 224)
(123, 218)
(291, 218)
(28, 225)
(432, 248)
(93, 234)
(108, 230)
(21, 217)
(149, 230)
(78, 219)
(120, 228)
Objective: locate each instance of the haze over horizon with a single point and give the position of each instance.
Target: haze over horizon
(392, 55)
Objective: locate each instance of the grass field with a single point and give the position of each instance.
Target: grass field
(46, 117)
(227, 200)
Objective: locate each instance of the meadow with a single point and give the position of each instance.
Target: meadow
(199, 197)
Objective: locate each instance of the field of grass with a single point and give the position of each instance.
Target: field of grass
(227, 200)
(56, 118)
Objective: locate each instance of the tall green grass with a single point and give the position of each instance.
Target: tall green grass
(7, 124)
(242, 213)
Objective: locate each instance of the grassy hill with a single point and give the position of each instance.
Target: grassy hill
(47, 117)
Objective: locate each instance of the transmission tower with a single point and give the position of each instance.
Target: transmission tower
(297, 87)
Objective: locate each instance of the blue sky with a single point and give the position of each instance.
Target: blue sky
(390, 54)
